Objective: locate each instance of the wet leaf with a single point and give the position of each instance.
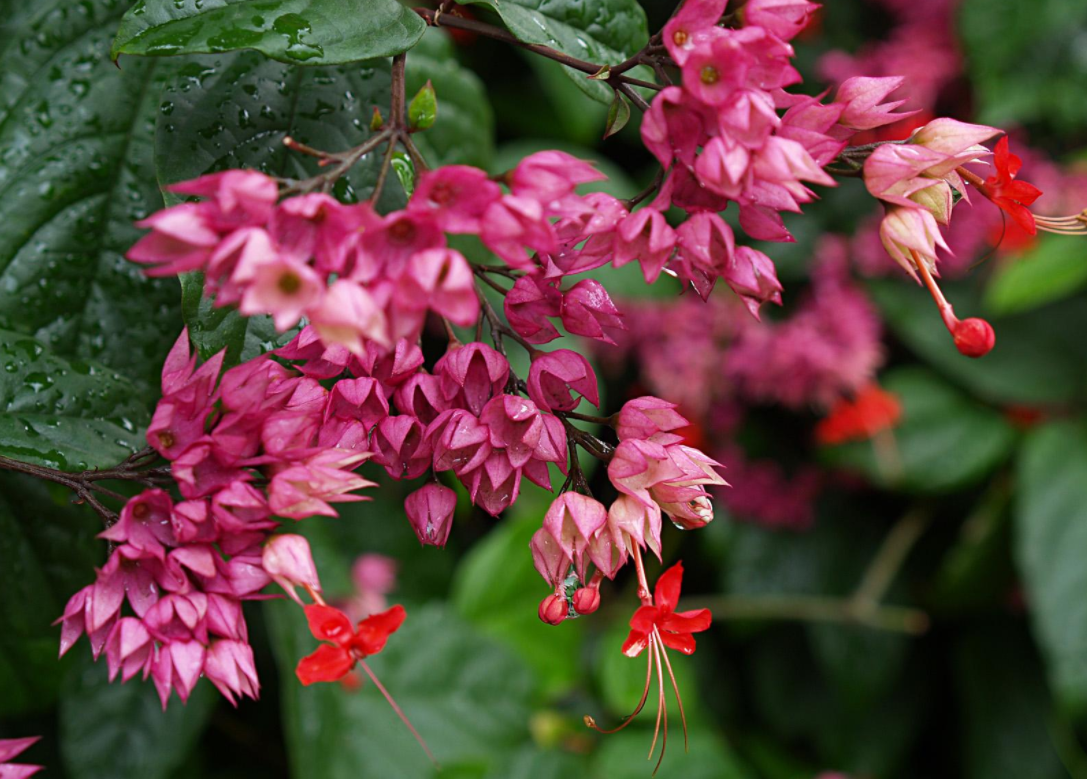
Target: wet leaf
(313, 32)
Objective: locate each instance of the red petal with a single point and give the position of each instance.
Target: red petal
(1021, 214)
(374, 631)
(329, 624)
(687, 621)
(681, 642)
(327, 664)
(635, 643)
(1021, 191)
(645, 618)
(666, 596)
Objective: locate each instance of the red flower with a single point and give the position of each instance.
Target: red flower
(871, 411)
(674, 628)
(1011, 195)
(347, 645)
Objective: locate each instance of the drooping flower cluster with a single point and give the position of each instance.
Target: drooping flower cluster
(258, 442)
(11, 748)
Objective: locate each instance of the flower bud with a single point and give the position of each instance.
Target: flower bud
(288, 561)
(586, 600)
(553, 609)
(974, 337)
(430, 511)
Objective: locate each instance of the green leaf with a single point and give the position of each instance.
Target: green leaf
(1016, 80)
(945, 440)
(423, 109)
(463, 133)
(61, 414)
(314, 32)
(1051, 270)
(618, 115)
(213, 329)
(75, 173)
(405, 171)
(1005, 707)
(1050, 544)
(498, 590)
(1040, 356)
(602, 32)
(114, 730)
(466, 696)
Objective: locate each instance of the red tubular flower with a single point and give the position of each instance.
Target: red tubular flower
(674, 628)
(347, 645)
(1007, 193)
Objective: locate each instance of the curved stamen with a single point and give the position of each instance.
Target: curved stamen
(637, 710)
(679, 699)
(662, 706)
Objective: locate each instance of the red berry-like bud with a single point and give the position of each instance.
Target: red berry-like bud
(974, 337)
(553, 609)
(586, 600)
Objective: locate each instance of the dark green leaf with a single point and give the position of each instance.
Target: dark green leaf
(1005, 708)
(213, 329)
(944, 441)
(466, 696)
(67, 415)
(75, 172)
(314, 32)
(119, 730)
(1040, 356)
(1050, 545)
(618, 115)
(498, 590)
(1016, 80)
(602, 32)
(1050, 270)
(423, 109)
(622, 756)
(464, 131)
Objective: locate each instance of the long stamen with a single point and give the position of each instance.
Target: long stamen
(662, 706)
(637, 710)
(399, 712)
(679, 699)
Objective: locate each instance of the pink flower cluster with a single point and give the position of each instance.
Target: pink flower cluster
(654, 474)
(259, 441)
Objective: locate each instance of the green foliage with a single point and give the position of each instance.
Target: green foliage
(1050, 542)
(114, 730)
(945, 441)
(1051, 270)
(604, 33)
(311, 32)
(467, 696)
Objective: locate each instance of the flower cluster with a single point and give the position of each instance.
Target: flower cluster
(11, 748)
(258, 442)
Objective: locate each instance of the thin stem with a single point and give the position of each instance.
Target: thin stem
(643, 585)
(892, 554)
(399, 712)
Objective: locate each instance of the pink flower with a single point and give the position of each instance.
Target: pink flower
(782, 18)
(675, 125)
(318, 226)
(515, 224)
(387, 247)
(649, 419)
(471, 375)
(181, 240)
(528, 306)
(706, 242)
(456, 195)
(861, 98)
(694, 23)
(348, 316)
(441, 280)
(285, 289)
(752, 276)
(10, 748)
(716, 67)
(550, 176)
(401, 447)
(421, 397)
(303, 490)
(144, 523)
(287, 559)
(495, 485)
(907, 231)
(461, 443)
(237, 198)
(230, 667)
(574, 521)
(554, 376)
(588, 310)
(631, 521)
(430, 510)
(645, 236)
(129, 650)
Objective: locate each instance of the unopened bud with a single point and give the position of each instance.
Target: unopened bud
(974, 337)
(377, 121)
(287, 559)
(586, 600)
(553, 609)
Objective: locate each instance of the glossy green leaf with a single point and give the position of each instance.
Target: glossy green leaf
(423, 108)
(944, 441)
(68, 415)
(602, 32)
(498, 590)
(1040, 356)
(464, 694)
(463, 133)
(1051, 270)
(1017, 81)
(75, 173)
(1006, 709)
(119, 730)
(313, 32)
(1050, 544)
